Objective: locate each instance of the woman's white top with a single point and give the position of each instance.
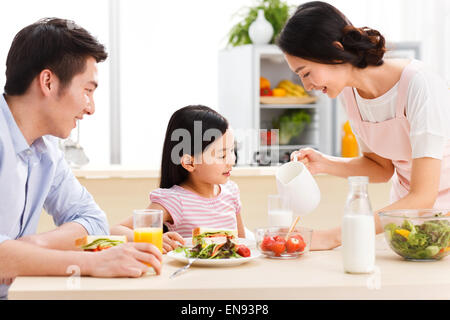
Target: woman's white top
(427, 110)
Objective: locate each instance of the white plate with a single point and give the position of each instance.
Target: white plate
(180, 256)
(247, 242)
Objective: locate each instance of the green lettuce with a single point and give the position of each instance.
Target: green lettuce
(425, 241)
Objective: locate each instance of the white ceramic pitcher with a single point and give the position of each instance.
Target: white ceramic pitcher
(296, 183)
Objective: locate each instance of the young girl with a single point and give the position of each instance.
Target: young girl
(195, 190)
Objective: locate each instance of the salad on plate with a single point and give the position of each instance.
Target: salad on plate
(211, 243)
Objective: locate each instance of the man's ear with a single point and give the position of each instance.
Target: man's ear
(46, 81)
(187, 162)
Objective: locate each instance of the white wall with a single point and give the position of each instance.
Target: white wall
(169, 56)
(169, 53)
(425, 21)
(181, 40)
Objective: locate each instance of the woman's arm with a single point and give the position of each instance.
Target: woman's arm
(424, 186)
(377, 168)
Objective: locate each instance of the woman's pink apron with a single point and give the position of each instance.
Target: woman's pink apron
(390, 139)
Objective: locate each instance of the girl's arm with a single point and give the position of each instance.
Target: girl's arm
(425, 179)
(240, 226)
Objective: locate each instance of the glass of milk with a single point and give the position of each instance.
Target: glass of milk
(279, 211)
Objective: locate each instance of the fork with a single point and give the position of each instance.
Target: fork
(182, 269)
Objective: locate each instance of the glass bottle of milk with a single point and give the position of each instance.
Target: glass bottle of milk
(358, 229)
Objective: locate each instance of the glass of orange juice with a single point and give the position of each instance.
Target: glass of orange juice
(147, 225)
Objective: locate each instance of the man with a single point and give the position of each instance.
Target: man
(51, 76)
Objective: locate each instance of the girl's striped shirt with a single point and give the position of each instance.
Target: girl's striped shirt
(190, 210)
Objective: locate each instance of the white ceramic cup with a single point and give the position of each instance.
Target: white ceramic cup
(295, 182)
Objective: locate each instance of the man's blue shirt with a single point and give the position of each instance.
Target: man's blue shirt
(36, 177)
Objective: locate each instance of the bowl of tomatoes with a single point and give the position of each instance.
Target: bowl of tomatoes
(275, 242)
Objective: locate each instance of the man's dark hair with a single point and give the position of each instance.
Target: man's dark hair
(51, 43)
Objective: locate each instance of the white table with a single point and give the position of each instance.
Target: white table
(317, 275)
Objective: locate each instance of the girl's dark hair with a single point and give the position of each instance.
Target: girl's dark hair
(185, 119)
(314, 28)
(57, 44)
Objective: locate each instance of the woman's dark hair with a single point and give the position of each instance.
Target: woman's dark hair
(188, 120)
(57, 44)
(315, 27)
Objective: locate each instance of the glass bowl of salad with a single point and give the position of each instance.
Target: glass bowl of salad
(418, 235)
(272, 242)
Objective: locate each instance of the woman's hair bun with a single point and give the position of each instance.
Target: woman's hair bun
(315, 31)
(367, 45)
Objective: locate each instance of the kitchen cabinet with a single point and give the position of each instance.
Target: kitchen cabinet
(240, 69)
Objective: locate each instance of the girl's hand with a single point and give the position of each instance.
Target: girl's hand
(170, 241)
(313, 160)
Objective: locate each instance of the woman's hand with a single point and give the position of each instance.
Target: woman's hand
(314, 161)
(170, 241)
(325, 239)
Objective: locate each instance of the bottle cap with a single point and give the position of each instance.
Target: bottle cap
(358, 179)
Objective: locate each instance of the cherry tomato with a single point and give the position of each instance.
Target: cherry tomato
(279, 238)
(278, 247)
(243, 251)
(266, 244)
(295, 243)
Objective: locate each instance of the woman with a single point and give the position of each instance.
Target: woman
(398, 109)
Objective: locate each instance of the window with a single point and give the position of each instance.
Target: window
(91, 15)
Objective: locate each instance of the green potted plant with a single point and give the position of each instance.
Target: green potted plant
(276, 12)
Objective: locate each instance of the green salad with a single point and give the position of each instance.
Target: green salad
(211, 251)
(429, 240)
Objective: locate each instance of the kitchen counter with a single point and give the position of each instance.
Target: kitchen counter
(119, 171)
(119, 190)
(317, 275)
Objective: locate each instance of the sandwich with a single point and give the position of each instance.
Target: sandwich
(206, 236)
(98, 243)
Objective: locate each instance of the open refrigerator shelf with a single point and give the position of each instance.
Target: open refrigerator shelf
(281, 101)
(240, 69)
(288, 106)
